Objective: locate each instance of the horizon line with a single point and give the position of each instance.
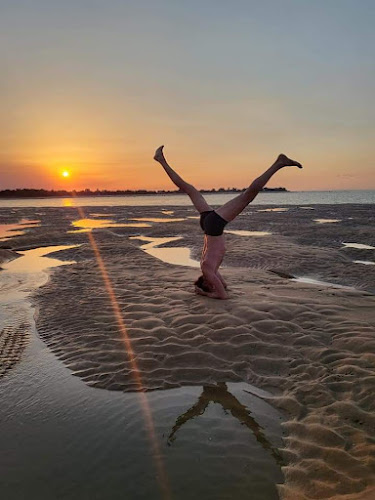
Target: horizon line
(127, 192)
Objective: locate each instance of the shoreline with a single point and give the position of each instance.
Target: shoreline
(280, 190)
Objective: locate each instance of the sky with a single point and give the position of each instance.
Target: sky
(93, 87)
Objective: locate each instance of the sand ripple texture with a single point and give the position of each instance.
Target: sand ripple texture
(13, 340)
(313, 348)
(14, 323)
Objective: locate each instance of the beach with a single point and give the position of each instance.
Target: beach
(298, 330)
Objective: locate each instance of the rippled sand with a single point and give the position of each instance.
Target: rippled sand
(312, 347)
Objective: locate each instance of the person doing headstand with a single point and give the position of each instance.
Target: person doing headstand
(212, 222)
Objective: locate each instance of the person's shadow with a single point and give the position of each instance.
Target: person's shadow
(219, 394)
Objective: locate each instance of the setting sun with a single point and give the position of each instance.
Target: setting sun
(65, 173)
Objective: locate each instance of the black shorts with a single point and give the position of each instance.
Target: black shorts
(212, 224)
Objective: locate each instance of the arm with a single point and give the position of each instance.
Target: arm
(222, 280)
(219, 290)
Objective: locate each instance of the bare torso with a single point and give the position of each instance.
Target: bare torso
(213, 252)
(212, 257)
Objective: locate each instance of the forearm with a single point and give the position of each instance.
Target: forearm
(219, 290)
(222, 279)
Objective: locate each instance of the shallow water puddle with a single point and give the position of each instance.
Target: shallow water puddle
(172, 255)
(157, 219)
(17, 229)
(312, 281)
(87, 225)
(240, 232)
(211, 439)
(18, 279)
(35, 260)
(360, 246)
(326, 221)
(273, 210)
(101, 215)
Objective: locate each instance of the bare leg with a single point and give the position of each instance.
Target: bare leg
(198, 201)
(233, 207)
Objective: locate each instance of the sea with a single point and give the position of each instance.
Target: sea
(214, 199)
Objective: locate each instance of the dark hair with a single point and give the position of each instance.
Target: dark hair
(202, 284)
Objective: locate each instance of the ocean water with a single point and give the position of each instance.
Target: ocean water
(273, 198)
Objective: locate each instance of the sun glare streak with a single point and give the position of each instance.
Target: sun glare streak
(68, 202)
(157, 456)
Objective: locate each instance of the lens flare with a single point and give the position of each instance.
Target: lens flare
(161, 473)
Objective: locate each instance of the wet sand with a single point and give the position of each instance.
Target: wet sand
(311, 346)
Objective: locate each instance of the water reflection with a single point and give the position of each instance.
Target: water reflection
(172, 255)
(157, 219)
(360, 246)
(219, 394)
(240, 232)
(87, 225)
(312, 281)
(102, 215)
(365, 262)
(35, 260)
(326, 221)
(105, 431)
(273, 210)
(17, 229)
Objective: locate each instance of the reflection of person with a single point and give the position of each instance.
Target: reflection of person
(219, 394)
(211, 283)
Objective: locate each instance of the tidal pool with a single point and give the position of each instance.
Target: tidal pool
(102, 215)
(17, 229)
(273, 210)
(172, 255)
(63, 439)
(87, 225)
(35, 260)
(157, 219)
(312, 281)
(241, 232)
(326, 221)
(359, 246)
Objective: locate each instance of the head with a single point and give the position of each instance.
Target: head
(202, 284)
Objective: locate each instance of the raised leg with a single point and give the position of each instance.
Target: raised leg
(198, 201)
(232, 208)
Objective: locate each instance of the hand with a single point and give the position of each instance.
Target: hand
(199, 291)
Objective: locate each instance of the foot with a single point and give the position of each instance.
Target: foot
(284, 161)
(159, 156)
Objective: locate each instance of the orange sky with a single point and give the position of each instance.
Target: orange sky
(96, 92)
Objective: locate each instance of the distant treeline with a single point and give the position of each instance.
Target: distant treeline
(47, 193)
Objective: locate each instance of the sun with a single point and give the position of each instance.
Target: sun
(65, 173)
